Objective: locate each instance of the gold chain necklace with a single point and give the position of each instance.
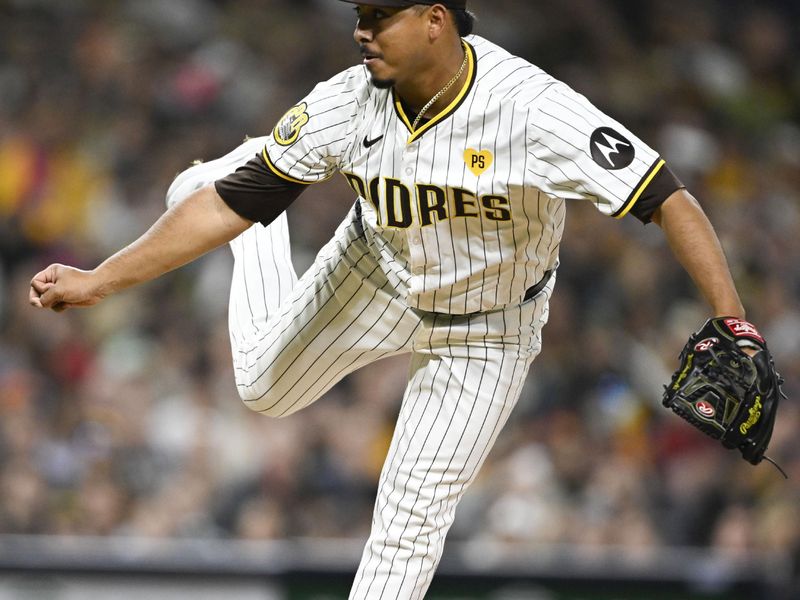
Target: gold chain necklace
(441, 93)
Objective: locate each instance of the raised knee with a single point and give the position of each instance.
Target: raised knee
(262, 404)
(264, 394)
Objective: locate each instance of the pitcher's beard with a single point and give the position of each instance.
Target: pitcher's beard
(383, 84)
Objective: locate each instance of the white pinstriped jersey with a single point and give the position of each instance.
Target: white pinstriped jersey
(467, 212)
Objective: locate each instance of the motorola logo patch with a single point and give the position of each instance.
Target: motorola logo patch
(611, 150)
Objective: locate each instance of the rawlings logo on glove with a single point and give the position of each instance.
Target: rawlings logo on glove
(728, 393)
(741, 328)
(755, 415)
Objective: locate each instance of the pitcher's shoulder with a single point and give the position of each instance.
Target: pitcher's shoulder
(502, 74)
(352, 83)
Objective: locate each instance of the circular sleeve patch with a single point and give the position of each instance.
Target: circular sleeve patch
(611, 150)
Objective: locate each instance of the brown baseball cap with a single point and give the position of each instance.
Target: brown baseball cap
(457, 4)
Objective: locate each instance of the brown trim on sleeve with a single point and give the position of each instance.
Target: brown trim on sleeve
(658, 184)
(256, 193)
(663, 185)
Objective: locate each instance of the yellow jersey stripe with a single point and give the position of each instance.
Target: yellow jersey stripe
(450, 108)
(280, 173)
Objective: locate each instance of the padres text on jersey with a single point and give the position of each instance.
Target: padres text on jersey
(466, 212)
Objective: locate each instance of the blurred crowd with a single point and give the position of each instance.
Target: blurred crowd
(124, 419)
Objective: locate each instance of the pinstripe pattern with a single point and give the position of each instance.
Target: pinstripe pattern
(326, 327)
(263, 276)
(451, 227)
(466, 376)
(563, 121)
(292, 340)
(466, 263)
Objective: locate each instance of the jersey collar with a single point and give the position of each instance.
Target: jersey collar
(453, 107)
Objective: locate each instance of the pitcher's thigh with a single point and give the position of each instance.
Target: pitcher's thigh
(335, 320)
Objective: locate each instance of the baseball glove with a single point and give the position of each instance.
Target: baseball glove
(724, 391)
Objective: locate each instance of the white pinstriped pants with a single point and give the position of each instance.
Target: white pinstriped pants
(293, 341)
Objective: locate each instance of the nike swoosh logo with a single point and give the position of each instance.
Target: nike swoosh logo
(370, 143)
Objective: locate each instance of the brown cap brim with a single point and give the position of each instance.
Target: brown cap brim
(457, 4)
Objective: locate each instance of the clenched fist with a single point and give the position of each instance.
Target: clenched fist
(59, 287)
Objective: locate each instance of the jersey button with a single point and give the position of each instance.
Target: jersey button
(418, 270)
(416, 240)
(409, 171)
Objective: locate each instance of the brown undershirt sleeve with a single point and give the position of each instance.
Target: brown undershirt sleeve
(256, 193)
(664, 184)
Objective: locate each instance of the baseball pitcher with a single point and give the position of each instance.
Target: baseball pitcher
(462, 159)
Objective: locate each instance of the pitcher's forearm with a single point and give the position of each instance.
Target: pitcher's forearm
(696, 246)
(193, 227)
